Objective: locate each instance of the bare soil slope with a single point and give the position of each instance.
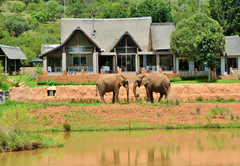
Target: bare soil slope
(126, 114)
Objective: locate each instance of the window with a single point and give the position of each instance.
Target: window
(148, 62)
(126, 50)
(77, 62)
(183, 65)
(232, 62)
(166, 62)
(54, 64)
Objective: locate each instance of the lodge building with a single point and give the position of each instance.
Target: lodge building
(127, 43)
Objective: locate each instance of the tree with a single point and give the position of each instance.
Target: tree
(16, 25)
(160, 12)
(39, 16)
(75, 9)
(189, 31)
(116, 11)
(227, 13)
(17, 7)
(50, 10)
(207, 48)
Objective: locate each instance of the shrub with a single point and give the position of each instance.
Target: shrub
(67, 126)
(194, 78)
(231, 100)
(199, 98)
(175, 79)
(17, 119)
(198, 110)
(237, 116)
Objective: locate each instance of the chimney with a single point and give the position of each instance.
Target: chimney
(93, 32)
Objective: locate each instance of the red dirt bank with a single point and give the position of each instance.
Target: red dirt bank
(115, 115)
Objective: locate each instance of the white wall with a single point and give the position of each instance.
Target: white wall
(222, 65)
(191, 65)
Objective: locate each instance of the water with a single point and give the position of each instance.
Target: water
(3, 97)
(151, 148)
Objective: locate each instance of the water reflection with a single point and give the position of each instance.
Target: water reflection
(162, 147)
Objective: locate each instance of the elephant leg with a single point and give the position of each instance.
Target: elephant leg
(160, 97)
(148, 94)
(151, 96)
(102, 97)
(113, 98)
(116, 95)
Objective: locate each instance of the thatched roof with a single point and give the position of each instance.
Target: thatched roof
(232, 45)
(109, 31)
(12, 52)
(69, 37)
(161, 33)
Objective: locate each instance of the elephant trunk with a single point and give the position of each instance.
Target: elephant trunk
(128, 95)
(134, 88)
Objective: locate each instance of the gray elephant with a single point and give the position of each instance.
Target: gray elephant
(111, 83)
(158, 83)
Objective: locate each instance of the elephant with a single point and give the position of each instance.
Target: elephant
(158, 83)
(111, 83)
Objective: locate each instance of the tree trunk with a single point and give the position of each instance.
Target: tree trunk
(209, 74)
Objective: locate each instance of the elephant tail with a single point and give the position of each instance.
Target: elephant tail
(96, 89)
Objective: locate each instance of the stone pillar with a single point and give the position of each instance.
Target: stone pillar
(64, 72)
(64, 62)
(45, 73)
(45, 63)
(94, 63)
(178, 72)
(160, 70)
(6, 59)
(143, 71)
(236, 74)
(136, 62)
(119, 71)
(82, 71)
(157, 62)
(174, 63)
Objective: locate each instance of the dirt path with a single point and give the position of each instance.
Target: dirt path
(125, 114)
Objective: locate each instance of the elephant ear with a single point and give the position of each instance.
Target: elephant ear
(120, 79)
(145, 80)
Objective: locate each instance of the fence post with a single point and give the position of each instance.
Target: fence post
(160, 70)
(119, 70)
(230, 71)
(82, 71)
(143, 71)
(195, 71)
(236, 74)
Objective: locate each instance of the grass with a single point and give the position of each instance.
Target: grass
(33, 83)
(220, 81)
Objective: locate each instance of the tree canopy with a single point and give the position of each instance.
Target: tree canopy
(159, 11)
(227, 13)
(183, 38)
(200, 39)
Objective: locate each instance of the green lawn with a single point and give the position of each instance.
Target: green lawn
(24, 78)
(33, 83)
(206, 81)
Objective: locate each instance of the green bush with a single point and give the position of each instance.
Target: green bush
(17, 119)
(199, 98)
(175, 79)
(194, 78)
(56, 83)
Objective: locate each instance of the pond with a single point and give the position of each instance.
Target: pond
(155, 147)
